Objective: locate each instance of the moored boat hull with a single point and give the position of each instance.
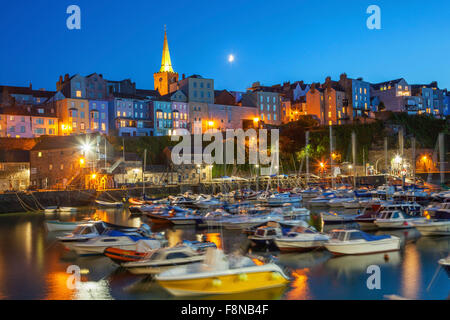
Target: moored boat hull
(387, 245)
(224, 284)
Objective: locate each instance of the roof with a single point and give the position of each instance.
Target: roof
(20, 110)
(17, 144)
(15, 156)
(387, 83)
(147, 92)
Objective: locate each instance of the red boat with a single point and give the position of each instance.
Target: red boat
(120, 256)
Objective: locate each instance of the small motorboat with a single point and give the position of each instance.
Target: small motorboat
(322, 201)
(56, 225)
(344, 242)
(93, 229)
(334, 218)
(163, 259)
(112, 238)
(301, 239)
(339, 202)
(265, 234)
(109, 204)
(395, 220)
(433, 227)
(279, 199)
(142, 251)
(220, 274)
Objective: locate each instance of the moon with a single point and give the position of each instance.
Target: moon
(230, 58)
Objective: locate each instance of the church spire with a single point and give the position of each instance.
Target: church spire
(166, 64)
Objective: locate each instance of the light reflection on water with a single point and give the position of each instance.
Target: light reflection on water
(33, 265)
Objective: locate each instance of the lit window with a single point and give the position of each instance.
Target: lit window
(78, 94)
(39, 154)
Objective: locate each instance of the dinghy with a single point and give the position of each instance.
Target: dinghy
(56, 225)
(109, 204)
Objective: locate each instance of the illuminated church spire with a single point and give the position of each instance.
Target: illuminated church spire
(166, 64)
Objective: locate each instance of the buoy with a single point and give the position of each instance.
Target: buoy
(243, 277)
(276, 276)
(217, 283)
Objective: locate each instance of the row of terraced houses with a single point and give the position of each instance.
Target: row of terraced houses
(87, 104)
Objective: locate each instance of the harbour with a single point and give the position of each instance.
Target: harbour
(34, 263)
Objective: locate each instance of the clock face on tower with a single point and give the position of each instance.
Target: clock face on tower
(160, 79)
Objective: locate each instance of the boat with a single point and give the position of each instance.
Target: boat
(220, 274)
(109, 204)
(438, 211)
(266, 233)
(163, 259)
(339, 202)
(301, 239)
(355, 242)
(93, 229)
(56, 225)
(206, 202)
(143, 250)
(395, 220)
(113, 238)
(279, 199)
(322, 201)
(445, 263)
(334, 218)
(433, 227)
(56, 209)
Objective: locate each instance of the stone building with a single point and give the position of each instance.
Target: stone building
(14, 170)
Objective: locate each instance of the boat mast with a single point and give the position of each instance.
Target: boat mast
(354, 158)
(143, 173)
(331, 157)
(307, 158)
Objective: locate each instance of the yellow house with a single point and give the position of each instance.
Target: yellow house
(73, 116)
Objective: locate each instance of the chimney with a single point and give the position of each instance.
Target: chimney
(343, 76)
(66, 77)
(100, 75)
(31, 86)
(183, 76)
(313, 87)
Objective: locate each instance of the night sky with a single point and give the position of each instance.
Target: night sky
(273, 41)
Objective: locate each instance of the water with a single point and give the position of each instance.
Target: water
(33, 266)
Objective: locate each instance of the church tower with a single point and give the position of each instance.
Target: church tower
(166, 75)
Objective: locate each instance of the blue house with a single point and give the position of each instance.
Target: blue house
(162, 115)
(99, 116)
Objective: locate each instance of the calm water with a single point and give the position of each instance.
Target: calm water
(33, 266)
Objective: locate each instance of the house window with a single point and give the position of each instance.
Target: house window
(39, 154)
(78, 94)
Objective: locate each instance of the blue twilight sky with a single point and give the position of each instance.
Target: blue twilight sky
(273, 41)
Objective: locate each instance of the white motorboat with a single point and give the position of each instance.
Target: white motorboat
(395, 220)
(208, 202)
(339, 202)
(93, 229)
(295, 211)
(56, 225)
(433, 227)
(282, 198)
(334, 218)
(163, 259)
(350, 242)
(116, 239)
(322, 201)
(220, 274)
(301, 239)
